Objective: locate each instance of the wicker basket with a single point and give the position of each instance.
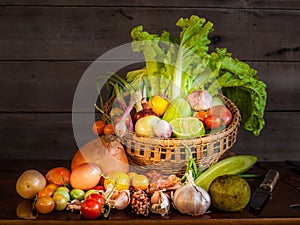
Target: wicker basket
(169, 155)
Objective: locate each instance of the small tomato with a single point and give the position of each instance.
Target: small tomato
(98, 197)
(109, 129)
(58, 176)
(213, 122)
(60, 201)
(91, 208)
(46, 191)
(201, 115)
(222, 112)
(98, 127)
(45, 204)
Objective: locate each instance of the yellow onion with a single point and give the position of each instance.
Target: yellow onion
(191, 199)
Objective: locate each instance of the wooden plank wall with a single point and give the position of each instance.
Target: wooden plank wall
(46, 46)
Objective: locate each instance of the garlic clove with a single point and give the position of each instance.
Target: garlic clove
(160, 203)
(120, 199)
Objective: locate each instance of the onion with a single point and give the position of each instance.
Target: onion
(146, 111)
(162, 129)
(191, 199)
(105, 151)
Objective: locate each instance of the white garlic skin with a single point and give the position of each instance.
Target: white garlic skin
(192, 200)
(160, 203)
(120, 199)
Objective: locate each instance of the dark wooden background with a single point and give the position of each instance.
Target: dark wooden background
(46, 46)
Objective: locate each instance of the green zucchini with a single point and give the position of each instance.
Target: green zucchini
(232, 165)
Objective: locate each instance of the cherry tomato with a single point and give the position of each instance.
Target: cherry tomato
(213, 122)
(91, 208)
(201, 115)
(60, 201)
(98, 197)
(98, 127)
(77, 194)
(62, 191)
(99, 188)
(222, 112)
(46, 191)
(109, 129)
(45, 204)
(58, 176)
(52, 186)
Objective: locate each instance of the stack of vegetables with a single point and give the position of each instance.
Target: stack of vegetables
(178, 93)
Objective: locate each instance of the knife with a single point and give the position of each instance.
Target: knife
(261, 193)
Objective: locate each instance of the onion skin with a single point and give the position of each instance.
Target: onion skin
(162, 129)
(106, 151)
(200, 100)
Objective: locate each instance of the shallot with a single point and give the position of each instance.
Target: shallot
(162, 129)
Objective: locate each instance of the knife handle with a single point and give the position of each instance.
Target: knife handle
(270, 179)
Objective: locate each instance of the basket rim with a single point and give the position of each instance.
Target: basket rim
(236, 118)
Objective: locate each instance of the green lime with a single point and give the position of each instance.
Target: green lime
(187, 127)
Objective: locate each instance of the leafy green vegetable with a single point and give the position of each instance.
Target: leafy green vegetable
(177, 66)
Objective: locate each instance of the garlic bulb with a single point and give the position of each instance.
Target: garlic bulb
(191, 199)
(160, 203)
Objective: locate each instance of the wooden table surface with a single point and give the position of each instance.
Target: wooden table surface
(275, 211)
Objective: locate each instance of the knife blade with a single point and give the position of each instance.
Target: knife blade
(262, 193)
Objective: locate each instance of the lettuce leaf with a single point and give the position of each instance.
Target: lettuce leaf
(241, 85)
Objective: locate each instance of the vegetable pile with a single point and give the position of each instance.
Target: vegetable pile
(177, 67)
(85, 190)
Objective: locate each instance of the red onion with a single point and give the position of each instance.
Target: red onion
(146, 111)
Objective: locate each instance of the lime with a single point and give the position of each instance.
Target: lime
(187, 127)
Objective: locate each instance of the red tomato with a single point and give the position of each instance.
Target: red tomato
(201, 115)
(91, 208)
(98, 197)
(99, 188)
(222, 112)
(213, 122)
(58, 176)
(98, 127)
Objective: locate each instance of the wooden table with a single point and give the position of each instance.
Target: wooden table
(275, 211)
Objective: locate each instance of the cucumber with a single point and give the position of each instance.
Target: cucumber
(232, 165)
